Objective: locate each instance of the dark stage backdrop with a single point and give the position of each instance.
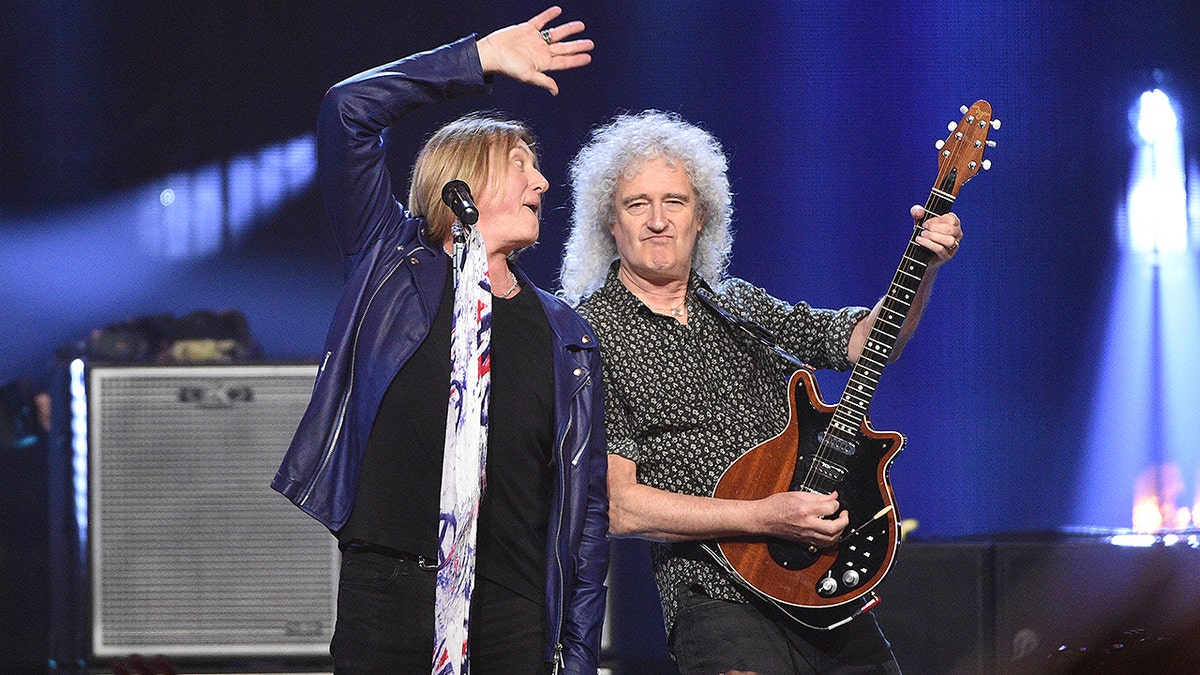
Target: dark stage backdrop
(829, 112)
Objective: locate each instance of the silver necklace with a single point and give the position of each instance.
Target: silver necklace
(505, 294)
(676, 311)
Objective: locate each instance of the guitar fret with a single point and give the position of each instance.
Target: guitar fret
(840, 432)
(856, 396)
(907, 282)
(844, 427)
(869, 363)
(873, 372)
(863, 377)
(859, 390)
(849, 429)
(877, 347)
(871, 357)
(858, 406)
(882, 325)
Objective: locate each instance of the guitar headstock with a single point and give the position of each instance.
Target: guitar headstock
(960, 156)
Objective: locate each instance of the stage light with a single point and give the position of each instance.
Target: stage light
(1156, 211)
(202, 210)
(79, 449)
(1157, 120)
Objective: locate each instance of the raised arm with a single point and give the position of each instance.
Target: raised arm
(354, 176)
(942, 235)
(351, 158)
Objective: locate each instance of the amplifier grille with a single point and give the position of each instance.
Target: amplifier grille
(192, 553)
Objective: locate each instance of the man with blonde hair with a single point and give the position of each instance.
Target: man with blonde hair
(445, 365)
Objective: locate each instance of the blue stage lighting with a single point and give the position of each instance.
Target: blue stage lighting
(79, 449)
(200, 211)
(1143, 465)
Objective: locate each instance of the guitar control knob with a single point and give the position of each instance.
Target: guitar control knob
(827, 586)
(850, 578)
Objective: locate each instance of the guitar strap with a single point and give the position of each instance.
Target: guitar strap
(751, 328)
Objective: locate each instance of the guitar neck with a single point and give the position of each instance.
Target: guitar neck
(864, 379)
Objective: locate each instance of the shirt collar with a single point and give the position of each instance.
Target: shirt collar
(625, 302)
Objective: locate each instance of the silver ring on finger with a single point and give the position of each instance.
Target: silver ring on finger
(546, 35)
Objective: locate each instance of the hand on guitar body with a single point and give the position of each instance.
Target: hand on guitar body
(637, 510)
(806, 517)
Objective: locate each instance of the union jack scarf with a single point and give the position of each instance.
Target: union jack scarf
(464, 458)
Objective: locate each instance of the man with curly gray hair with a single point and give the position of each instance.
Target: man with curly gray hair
(687, 394)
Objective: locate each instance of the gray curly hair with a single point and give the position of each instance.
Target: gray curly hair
(619, 149)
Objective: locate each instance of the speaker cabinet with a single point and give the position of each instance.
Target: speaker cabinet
(1113, 608)
(937, 607)
(191, 553)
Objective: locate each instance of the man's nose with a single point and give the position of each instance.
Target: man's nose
(658, 217)
(540, 184)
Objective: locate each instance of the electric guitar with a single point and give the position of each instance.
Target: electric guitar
(834, 448)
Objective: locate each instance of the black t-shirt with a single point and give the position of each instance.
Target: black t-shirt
(396, 504)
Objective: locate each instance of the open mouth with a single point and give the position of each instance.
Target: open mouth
(533, 207)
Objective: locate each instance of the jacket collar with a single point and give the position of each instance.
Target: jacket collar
(566, 324)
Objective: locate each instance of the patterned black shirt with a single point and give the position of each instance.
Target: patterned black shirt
(684, 401)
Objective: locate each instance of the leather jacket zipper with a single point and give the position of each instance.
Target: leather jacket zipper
(341, 415)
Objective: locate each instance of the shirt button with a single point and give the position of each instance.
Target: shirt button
(578, 372)
(413, 260)
(587, 339)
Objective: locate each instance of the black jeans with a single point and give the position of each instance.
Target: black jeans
(713, 636)
(385, 621)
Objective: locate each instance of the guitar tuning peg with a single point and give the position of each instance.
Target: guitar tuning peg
(952, 126)
(939, 144)
(995, 124)
(991, 143)
(963, 109)
(987, 164)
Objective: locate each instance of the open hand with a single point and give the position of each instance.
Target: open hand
(528, 50)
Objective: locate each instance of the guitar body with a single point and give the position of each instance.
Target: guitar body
(826, 586)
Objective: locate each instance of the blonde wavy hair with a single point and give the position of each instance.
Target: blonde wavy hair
(620, 149)
(462, 149)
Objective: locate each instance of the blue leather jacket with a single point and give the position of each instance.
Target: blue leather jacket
(394, 280)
